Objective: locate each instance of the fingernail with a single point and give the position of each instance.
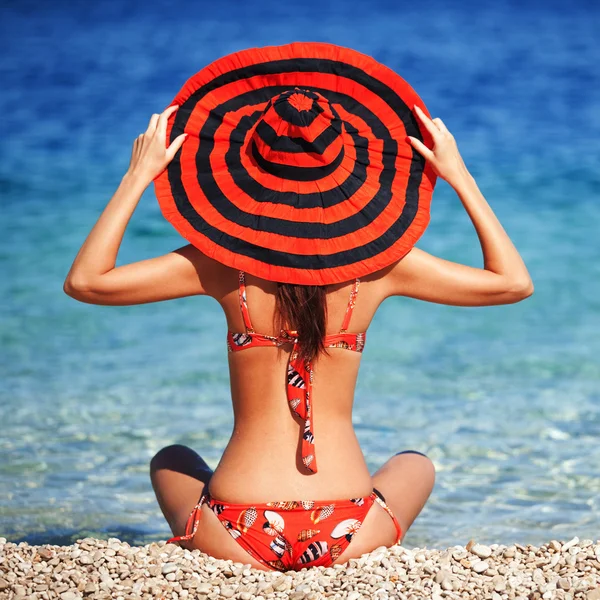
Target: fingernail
(407, 140)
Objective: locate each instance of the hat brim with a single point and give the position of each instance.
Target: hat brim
(362, 217)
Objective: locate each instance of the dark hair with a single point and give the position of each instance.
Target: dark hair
(303, 308)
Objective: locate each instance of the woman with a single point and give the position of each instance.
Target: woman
(265, 504)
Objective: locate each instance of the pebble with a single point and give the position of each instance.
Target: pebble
(169, 568)
(282, 584)
(564, 583)
(101, 570)
(480, 566)
(481, 550)
(441, 575)
(45, 553)
(227, 591)
(499, 583)
(447, 584)
(569, 544)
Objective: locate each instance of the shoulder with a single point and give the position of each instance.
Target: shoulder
(390, 280)
(216, 278)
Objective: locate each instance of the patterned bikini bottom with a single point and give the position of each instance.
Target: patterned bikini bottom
(291, 535)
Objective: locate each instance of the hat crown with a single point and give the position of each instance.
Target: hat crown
(298, 136)
(296, 167)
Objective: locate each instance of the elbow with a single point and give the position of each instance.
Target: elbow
(521, 289)
(76, 287)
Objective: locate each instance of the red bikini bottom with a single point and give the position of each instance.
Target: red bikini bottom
(293, 534)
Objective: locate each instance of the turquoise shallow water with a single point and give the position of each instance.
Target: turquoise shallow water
(505, 400)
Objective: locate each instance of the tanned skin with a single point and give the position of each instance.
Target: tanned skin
(260, 462)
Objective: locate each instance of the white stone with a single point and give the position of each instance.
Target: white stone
(480, 566)
(569, 544)
(555, 545)
(169, 568)
(447, 584)
(554, 561)
(481, 550)
(441, 575)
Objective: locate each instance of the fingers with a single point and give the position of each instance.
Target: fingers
(420, 147)
(164, 117)
(153, 123)
(175, 145)
(427, 122)
(440, 125)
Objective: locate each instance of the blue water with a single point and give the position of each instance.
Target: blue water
(505, 400)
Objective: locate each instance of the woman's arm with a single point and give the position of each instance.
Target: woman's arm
(93, 276)
(504, 278)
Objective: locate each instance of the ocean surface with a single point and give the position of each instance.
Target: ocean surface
(505, 400)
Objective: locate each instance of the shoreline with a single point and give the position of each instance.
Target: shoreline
(102, 569)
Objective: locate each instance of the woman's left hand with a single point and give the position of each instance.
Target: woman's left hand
(150, 156)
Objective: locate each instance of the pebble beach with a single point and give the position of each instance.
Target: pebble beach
(101, 569)
(503, 399)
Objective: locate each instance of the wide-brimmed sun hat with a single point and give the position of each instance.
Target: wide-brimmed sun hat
(297, 168)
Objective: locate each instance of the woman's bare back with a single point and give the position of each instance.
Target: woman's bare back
(266, 435)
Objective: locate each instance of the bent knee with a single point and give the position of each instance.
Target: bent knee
(167, 455)
(420, 461)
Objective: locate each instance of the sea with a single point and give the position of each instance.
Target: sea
(505, 400)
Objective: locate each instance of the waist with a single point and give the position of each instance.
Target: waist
(265, 466)
(269, 431)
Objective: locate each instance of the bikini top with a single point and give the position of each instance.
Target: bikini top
(299, 373)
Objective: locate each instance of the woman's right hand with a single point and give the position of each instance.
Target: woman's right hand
(444, 157)
(150, 155)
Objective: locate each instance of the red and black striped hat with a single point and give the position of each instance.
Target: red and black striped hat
(296, 168)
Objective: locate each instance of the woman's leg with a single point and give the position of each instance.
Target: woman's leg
(178, 476)
(406, 481)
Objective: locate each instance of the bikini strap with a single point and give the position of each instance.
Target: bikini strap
(350, 307)
(244, 303)
(380, 500)
(192, 522)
